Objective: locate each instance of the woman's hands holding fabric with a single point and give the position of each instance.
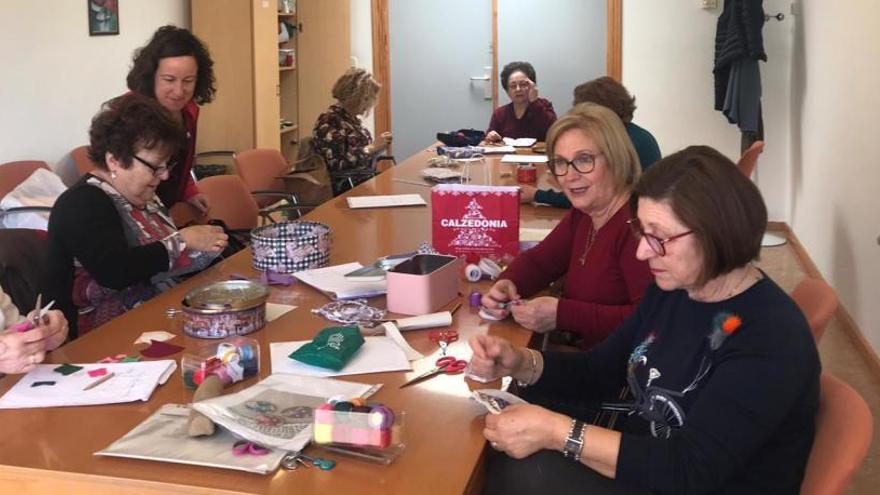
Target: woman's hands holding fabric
(493, 357)
(493, 138)
(503, 291)
(55, 326)
(538, 314)
(204, 238)
(20, 352)
(523, 429)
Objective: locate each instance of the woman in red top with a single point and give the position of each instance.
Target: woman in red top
(176, 70)
(527, 116)
(596, 167)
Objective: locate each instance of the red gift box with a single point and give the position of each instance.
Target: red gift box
(475, 221)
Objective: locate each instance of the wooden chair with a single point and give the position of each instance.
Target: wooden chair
(14, 173)
(844, 428)
(82, 161)
(818, 302)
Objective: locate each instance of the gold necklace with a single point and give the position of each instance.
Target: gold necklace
(590, 240)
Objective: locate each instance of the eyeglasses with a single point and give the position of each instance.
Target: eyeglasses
(157, 170)
(656, 244)
(518, 85)
(583, 163)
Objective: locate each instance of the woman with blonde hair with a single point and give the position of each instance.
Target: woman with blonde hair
(596, 167)
(340, 136)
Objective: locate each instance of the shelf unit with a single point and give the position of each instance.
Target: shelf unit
(255, 93)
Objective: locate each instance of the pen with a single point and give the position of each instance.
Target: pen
(99, 381)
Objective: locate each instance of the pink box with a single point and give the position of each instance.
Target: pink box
(423, 284)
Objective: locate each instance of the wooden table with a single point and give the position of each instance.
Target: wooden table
(51, 450)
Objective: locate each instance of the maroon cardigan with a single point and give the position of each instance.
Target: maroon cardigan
(599, 294)
(535, 122)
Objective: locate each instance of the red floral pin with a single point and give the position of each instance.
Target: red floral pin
(724, 324)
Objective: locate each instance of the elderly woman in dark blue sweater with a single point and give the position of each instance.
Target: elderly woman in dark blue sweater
(722, 371)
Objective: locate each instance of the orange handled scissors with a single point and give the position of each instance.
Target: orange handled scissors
(447, 364)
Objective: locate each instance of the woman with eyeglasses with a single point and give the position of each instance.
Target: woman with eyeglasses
(719, 368)
(175, 69)
(112, 244)
(527, 115)
(595, 165)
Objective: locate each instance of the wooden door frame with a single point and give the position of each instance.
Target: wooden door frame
(382, 55)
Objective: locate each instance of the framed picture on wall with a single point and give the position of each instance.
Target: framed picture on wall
(103, 17)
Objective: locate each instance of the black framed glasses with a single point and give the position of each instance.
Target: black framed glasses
(584, 163)
(656, 244)
(157, 170)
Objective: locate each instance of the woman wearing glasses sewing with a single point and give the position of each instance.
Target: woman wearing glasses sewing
(21, 350)
(527, 115)
(175, 69)
(596, 167)
(112, 244)
(721, 367)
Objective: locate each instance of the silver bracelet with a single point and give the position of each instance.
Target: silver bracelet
(532, 371)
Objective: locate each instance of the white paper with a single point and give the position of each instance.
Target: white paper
(533, 235)
(332, 281)
(393, 333)
(163, 437)
(160, 336)
(385, 201)
(441, 319)
(520, 142)
(377, 355)
(491, 150)
(524, 159)
(281, 392)
(131, 382)
(275, 311)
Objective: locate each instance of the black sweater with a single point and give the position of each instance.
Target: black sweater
(749, 423)
(84, 225)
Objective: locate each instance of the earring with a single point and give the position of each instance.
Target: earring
(112, 175)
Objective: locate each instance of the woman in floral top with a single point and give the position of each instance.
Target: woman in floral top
(339, 135)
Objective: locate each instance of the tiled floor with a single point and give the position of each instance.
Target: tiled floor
(840, 357)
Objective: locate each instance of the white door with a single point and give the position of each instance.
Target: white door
(436, 48)
(563, 39)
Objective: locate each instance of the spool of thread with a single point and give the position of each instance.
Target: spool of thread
(381, 418)
(490, 268)
(526, 174)
(475, 299)
(473, 273)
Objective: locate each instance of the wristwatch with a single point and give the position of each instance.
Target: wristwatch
(574, 444)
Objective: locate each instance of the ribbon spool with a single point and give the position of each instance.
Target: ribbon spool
(475, 299)
(490, 268)
(473, 273)
(381, 417)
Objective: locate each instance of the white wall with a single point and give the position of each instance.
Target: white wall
(55, 75)
(668, 51)
(835, 104)
(361, 28)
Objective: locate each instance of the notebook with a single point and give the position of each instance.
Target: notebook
(332, 281)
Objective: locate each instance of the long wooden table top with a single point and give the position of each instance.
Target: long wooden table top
(51, 450)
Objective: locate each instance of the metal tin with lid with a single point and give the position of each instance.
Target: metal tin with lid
(224, 309)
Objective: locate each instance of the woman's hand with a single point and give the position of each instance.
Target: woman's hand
(204, 238)
(538, 314)
(200, 203)
(523, 429)
(386, 138)
(504, 291)
(55, 325)
(527, 193)
(533, 91)
(493, 138)
(493, 357)
(20, 352)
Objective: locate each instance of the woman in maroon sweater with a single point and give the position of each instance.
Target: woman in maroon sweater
(596, 167)
(526, 116)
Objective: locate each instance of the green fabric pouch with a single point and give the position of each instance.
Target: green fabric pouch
(332, 348)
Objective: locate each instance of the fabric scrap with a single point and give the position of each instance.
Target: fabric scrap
(67, 369)
(159, 349)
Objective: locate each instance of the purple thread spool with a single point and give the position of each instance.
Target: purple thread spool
(381, 418)
(475, 299)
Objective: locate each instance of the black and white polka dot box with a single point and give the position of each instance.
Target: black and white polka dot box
(290, 247)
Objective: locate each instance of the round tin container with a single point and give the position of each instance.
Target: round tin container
(526, 174)
(225, 309)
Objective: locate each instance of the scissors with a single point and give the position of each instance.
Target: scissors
(447, 364)
(443, 338)
(34, 321)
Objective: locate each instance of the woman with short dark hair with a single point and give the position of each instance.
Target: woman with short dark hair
(527, 115)
(112, 244)
(721, 368)
(175, 69)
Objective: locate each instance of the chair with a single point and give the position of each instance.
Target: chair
(343, 180)
(261, 170)
(818, 302)
(82, 161)
(309, 180)
(14, 173)
(844, 428)
(747, 164)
